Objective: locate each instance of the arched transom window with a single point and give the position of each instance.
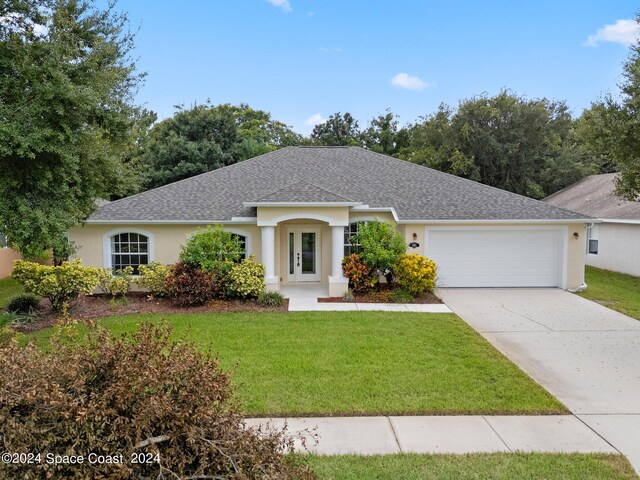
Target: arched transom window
(129, 249)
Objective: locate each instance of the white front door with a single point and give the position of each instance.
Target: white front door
(303, 254)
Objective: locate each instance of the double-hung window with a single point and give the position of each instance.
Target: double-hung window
(592, 240)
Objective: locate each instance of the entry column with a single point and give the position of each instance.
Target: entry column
(269, 257)
(338, 284)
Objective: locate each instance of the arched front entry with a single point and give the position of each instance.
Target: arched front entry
(303, 245)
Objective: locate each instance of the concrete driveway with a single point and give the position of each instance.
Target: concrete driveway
(585, 354)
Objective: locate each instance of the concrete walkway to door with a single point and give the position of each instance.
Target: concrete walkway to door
(585, 354)
(304, 298)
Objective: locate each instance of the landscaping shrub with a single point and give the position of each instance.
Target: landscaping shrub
(139, 393)
(213, 250)
(246, 279)
(60, 284)
(153, 277)
(271, 299)
(415, 273)
(188, 286)
(361, 276)
(117, 285)
(401, 296)
(25, 303)
(380, 246)
(349, 296)
(15, 318)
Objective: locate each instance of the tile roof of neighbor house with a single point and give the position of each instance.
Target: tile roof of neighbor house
(327, 174)
(594, 196)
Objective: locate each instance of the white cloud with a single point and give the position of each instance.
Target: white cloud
(332, 49)
(283, 4)
(410, 82)
(314, 120)
(624, 32)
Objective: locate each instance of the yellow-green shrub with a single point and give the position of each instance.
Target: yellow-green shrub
(118, 285)
(415, 273)
(153, 277)
(61, 284)
(246, 279)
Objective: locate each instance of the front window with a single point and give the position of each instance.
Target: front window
(351, 244)
(592, 240)
(243, 245)
(129, 249)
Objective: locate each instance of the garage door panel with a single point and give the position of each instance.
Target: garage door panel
(495, 258)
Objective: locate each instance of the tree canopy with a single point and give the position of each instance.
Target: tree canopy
(610, 128)
(506, 141)
(206, 137)
(66, 103)
(338, 130)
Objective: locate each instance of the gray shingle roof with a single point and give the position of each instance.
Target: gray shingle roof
(594, 196)
(352, 173)
(303, 192)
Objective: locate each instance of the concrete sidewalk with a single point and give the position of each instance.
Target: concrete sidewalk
(442, 434)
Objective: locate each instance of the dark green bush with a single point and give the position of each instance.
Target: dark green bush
(271, 299)
(138, 393)
(188, 286)
(213, 250)
(24, 303)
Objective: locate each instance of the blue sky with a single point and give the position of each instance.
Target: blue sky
(306, 59)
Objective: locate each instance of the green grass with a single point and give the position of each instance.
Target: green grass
(496, 466)
(358, 363)
(9, 288)
(617, 291)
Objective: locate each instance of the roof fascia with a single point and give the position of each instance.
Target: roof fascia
(498, 220)
(301, 204)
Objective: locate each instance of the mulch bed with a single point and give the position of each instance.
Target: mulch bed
(384, 295)
(99, 306)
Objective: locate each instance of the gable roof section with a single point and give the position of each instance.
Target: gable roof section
(327, 174)
(594, 196)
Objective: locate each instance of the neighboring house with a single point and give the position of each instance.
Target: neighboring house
(7, 257)
(297, 208)
(613, 244)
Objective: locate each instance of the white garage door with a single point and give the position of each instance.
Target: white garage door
(495, 258)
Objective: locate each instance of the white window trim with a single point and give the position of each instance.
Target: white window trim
(248, 244)
(590, 231)
(106, 244)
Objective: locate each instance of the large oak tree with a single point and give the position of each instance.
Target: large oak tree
(67, 115)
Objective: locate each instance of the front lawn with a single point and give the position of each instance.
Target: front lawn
(617, 291)
(9, 288)
(357, 363)
(495, 466)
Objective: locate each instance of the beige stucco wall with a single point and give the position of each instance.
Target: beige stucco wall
(7, 257)
(618, 248)
(267, 215)
(167, 240)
